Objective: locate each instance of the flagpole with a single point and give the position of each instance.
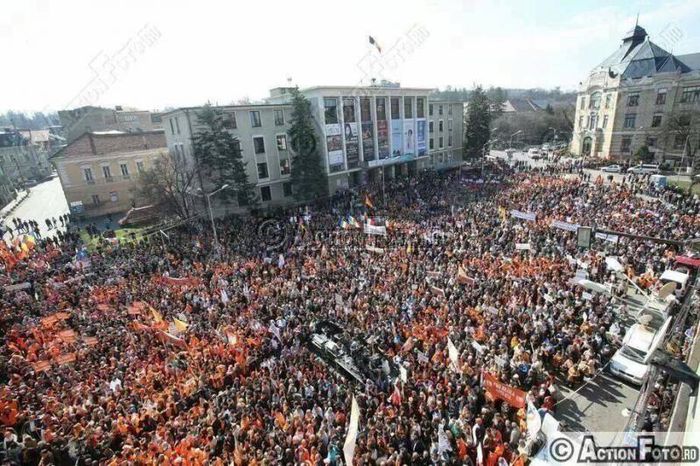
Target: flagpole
(383, 195)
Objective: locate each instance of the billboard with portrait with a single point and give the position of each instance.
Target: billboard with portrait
(383, 140)
(396, 138)
(420, 137)
(367, 141)
(352, 147)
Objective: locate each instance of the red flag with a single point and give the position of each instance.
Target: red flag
(395, 397)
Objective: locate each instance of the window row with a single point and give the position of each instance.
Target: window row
(331, 115)
(106, 171)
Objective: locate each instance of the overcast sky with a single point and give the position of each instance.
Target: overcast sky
(153, 54)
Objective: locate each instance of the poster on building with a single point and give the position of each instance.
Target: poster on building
(367, 141)
(383, 139)
(352, 148)
(334, 145)
(396, 138)
(409, 138)
(420, 137)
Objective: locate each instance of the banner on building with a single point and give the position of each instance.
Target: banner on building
(409, 139)
(421, 148)
(396, 138)
(352, 145)
(334, 145)
(383, 140)
(523, 215)
(501, 391)
(367, 141)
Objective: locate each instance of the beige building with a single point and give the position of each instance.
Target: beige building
(90, 119)
(99, 171)
(628, 100)
(362, 133)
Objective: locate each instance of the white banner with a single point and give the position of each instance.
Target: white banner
(573, 227)
(374, 249)
(523, 215)
(522, 246)
(606, 237)
(375, 230)
(350, 440)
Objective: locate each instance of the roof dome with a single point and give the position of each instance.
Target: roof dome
(637, 33)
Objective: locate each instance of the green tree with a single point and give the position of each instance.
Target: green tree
(218, 155)
(309, 179)
(497, 96)
(643, 154)
(478, 122)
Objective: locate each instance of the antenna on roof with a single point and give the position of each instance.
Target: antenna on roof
(636, 22)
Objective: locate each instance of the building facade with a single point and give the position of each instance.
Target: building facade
(22, 158)
(362, 134)
(95, 119)
(99, 171)
(630, 100)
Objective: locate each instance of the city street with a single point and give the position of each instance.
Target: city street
(45, 200)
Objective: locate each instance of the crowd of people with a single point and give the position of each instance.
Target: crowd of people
(180, 350)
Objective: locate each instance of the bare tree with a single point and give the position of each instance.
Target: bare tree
(169, 184)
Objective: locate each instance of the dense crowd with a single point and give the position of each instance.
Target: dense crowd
(178, 350)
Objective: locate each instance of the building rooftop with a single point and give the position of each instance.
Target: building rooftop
(111, 142)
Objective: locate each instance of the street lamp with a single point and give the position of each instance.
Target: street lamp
(211, 213)
(510, 144)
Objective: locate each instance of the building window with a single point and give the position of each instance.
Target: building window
(381, 109)
(633, 100)
(407, 107)
(595, 101)
(651, 142)
(230, 121)
(449, 109)
(440, 110)
(285, 168)
(177, 124)
(279, 117)
(440, 144)
(449, 125)
(656, 121)
(107, 173)
(583, 103)
(679, 142)
(430, 110)
(395, 109)
(365, 113)
(690, 94)
(608, 98)
(605, 121)
(348, 110)
(430, 127)
(265, 194)
(172, 127)
(449, 140)
(330, 105)
(259, 144)
(96, 199)
(580, 122)
(87, 173)
(125, 170)
(420, 108)
(661, 97)
(432, 144)
(626, 143)
(592, 122)
(630, 120)
(441, 127)
(262, 170)
(287, 189)
(113, 196)
(281, 142)
(255, 119)
(139, 167)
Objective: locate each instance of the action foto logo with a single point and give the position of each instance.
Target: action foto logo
(645, 450)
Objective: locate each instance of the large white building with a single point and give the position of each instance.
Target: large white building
(360, 133)
(627, 101)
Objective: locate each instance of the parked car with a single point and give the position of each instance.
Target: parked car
(612, 169)
(644, 169)
(680, 277)
(630, 362)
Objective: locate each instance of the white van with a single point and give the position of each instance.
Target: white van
(644, 169)
(679, 277)
(630, 362)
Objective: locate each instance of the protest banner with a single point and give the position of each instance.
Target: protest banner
(501, 391)
(523, 215)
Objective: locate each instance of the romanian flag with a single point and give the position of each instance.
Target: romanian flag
(368, 202)
(374, 42)
(343, 224)
(395, 397)
(409, 248)
(353, 222)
